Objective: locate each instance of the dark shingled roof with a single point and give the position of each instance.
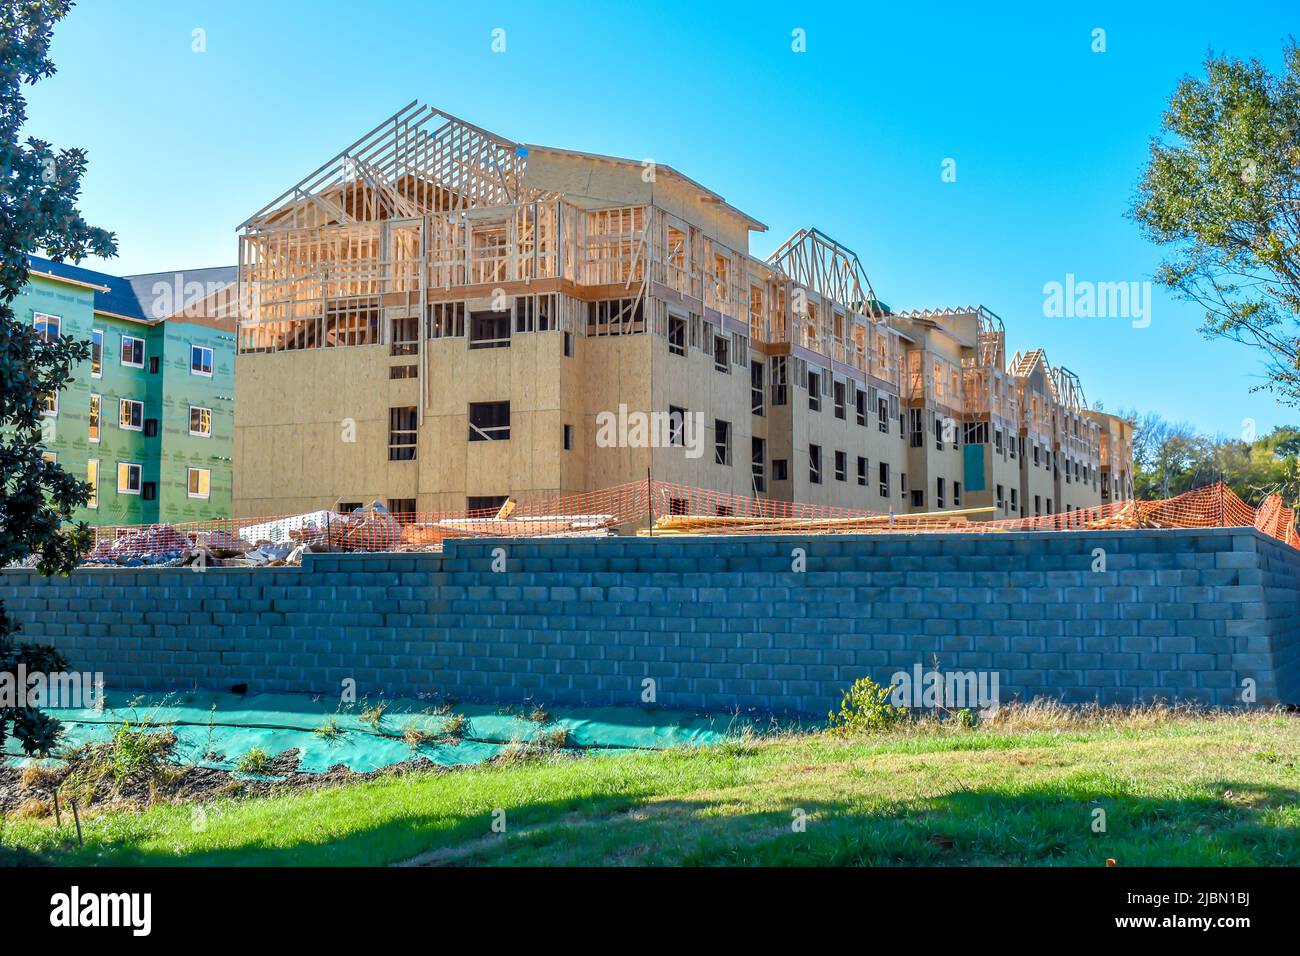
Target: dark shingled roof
(134, 296)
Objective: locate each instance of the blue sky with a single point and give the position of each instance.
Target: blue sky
(1048, 137)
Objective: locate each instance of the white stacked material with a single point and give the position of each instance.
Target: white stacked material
(280, 529)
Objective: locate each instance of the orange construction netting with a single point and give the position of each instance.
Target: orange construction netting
(661, 507)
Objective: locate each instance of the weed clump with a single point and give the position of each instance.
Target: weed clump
(866, 708)
(256, 762)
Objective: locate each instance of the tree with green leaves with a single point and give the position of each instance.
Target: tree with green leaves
(1171, 458)
(1222, 192)
(39, 187)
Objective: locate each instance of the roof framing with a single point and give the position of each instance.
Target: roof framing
(818, 262)
(420, 160)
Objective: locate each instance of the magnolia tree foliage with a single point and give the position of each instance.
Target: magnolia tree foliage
(1222, 192)
(39, 187)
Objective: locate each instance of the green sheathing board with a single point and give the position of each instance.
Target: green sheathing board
(182, 389)
(167, 395)
(67, 434)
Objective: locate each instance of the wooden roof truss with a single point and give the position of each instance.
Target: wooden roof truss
(418, 161)
(816, 261)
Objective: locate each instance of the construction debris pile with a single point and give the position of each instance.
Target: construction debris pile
(649, 507)
(259, 542)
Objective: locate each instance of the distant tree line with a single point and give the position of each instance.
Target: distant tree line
(1170, 458)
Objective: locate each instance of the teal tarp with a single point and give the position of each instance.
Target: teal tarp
(216, 730)
(973, 466)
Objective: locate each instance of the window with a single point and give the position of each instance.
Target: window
(1000, 499)
(1014, 504)
(997, 440)
(347, 507)
(489, 421)
(756, 388)
(94, 418)
(860, 401)
(446, 320)
(1035, 454)
(198, 482)
(50, 404)
(884, 479)
(938, 433)
(489, 330)
(403, 509)
(815, 463)
(154, 364)
(568, 438)
(862, 471)
(780, 469)
(902, 483)
(814, 392)
(201, 360)
(739, 350)
(918, 498)
(149, 490)
(882, 412)
(1049, 506)
(130, 414)
(47, 326)
(92, 479)
(722, 441)
(96, 353)
(676, 425)
(841, 466)
(50, 456)
(403, 371)
(200, 421)
(676, 335)
(617, 317)
(1038, 505)
(721, 354)
(916, 429)
(404, 336)
(128, 478)
(402, 434)
(956, 494)
(533, 314)
(568, 345)
(840, 401)
(757, 456)
(485, 502)
(132, 351)
(938, 492)
(150, 427)
(780, 382)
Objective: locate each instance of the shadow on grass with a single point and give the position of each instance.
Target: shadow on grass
(1044, 825)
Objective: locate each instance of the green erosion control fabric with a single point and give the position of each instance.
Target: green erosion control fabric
(216, 730)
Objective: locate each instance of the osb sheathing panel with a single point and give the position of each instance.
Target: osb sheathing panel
(292, 456)
(591, 182)
(618, 371)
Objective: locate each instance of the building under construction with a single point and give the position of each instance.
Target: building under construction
(438, 318)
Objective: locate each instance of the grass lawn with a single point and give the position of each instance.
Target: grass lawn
(1177, 789)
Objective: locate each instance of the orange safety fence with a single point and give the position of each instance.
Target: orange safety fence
(655, 507)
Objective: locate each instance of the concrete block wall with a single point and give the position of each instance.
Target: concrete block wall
(717, 623)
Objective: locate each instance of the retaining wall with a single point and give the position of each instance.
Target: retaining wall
(717, 623)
